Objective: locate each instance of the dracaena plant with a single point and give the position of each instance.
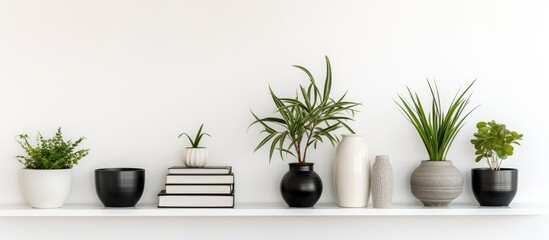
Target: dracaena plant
(494, 141)
(51, 153)
(196, 141)
(305, 120)
(437, 128)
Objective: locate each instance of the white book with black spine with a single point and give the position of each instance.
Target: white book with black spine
(200, 179)
(194, 201)
(200, 170)
(199, 188)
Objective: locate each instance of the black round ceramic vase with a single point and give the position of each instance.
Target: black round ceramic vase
(494, 187)
(301, 186)
(119, 187)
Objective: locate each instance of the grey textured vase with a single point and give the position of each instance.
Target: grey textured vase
(436, 183)
(382, 182)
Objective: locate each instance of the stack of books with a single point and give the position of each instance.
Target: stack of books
(205, 187)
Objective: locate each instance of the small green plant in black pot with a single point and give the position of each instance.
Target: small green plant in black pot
(494, 186)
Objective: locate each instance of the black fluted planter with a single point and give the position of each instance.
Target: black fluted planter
(119, 187)
(301, 186)
(494, 188)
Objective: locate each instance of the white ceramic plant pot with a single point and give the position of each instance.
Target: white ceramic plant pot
(46, 188)
(196, 157)
(352, 172)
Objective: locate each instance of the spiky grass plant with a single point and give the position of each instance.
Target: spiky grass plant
(305, 120)
(196, 141)
(438, 128)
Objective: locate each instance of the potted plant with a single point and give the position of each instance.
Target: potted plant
(303, 122)
(196, 156)
(47, 177)
(494, 186)
(436, 182)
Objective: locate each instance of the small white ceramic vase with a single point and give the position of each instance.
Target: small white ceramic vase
(196, 157)
(352, 172)
(44, 188)
(382, 182)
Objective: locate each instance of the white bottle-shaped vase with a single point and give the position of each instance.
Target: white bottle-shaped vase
(352, 172)
(382, 182)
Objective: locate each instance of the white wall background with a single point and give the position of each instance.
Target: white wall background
(132, 75)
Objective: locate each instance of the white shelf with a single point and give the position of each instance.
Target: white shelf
(271, 210)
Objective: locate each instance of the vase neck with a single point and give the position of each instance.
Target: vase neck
(301, 167)
(437, 163)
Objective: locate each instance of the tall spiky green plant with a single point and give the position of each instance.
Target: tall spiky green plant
(438, 128)
(305, 120)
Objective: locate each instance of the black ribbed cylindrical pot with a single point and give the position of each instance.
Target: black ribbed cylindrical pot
(301, 186)
(494, 187)
(119, 187)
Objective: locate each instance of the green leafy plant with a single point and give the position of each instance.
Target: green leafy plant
(494, 141)
(195, 143)
(439, 127)
(306, 119)
(52, 153)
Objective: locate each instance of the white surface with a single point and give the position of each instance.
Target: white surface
(352, 172)
(453, 228)
(272, 210)
(131, 75)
